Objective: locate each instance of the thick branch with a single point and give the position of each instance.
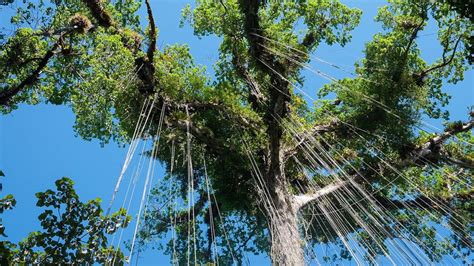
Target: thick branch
(143, 65)
(99, 13)
(7, 94)
(152, 34)
(301, 200)
(411, 40)
(413, 36)
(431, 149)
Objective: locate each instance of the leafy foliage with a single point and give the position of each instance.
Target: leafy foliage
(73, 231)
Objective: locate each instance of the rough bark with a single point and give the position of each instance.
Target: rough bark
(286, 246)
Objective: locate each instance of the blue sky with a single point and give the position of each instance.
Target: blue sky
(38, 144)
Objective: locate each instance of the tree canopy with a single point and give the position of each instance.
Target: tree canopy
(262, 169)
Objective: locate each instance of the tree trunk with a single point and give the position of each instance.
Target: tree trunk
(286, 248)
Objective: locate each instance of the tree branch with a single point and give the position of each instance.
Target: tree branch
(143, 65)
(152, 35)
(411, 40)
(252, 26)
(431, 149)
(444, 63)
(99, 13)
(413, 36)
(300, 201)
(7, 94)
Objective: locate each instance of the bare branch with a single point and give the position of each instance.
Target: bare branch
(301, 200)
(444, 63)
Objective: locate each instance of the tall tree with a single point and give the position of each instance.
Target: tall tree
(353, 164)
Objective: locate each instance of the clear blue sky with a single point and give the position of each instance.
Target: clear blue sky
(38, 145)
